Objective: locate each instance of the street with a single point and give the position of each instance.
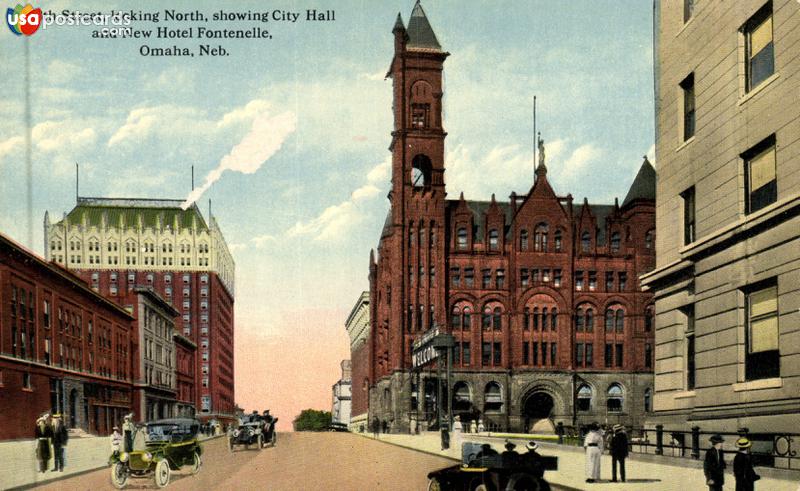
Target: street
(299, 461)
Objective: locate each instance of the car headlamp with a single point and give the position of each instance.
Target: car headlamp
(147, 457)
(123, 457)
(236, 433)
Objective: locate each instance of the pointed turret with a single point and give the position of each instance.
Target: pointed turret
(644, 184)
(398, 24)
(420, 32)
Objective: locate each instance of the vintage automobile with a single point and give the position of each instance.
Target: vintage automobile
(489, 471)
(253, 429)
(159, 448)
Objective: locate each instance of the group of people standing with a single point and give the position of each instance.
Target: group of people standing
(594, 443)
(50, 432)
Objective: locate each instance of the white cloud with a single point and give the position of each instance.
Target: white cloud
(375, 76)
(266, 137)
(261, 241)
(52, 136)
(244, 114)
(381, 173)
(365, 192)
(577, 164)
(11, 146)
(165, 119)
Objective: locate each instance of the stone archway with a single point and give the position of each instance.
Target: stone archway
(537, 412)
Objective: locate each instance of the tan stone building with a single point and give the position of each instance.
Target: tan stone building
(728, 231)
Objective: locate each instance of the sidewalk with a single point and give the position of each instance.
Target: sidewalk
(19, 467)
(650, 473)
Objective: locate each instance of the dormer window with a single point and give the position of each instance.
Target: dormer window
(493, 239)
(461, 239)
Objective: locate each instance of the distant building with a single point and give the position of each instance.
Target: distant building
(185, 354)
(341, 408)
(154, 359)
(63, 348)
(541, 294)
(119, 244)
(728, 218)
(357, 326)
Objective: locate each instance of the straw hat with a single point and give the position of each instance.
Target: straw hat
(617, 427)
(743, 443)
(532, 445)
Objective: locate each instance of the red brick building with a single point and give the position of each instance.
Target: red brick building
(541, 293)
(186, 352)
(63, 348)
(117, 245)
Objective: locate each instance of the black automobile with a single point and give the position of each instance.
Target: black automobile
(253, 429)
(159, 448)
(483, 469)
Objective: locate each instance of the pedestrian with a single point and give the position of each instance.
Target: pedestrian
(714, 465)
(481, 428)
(384, 426)
(128, 429)
(458, 429)
(532, 459)
(43, 434)
(376, 427)
(619, 452)
(593, 445)
(473, 427)
(60, 438)
(746, 476)
(412, 426)
(116, 441)
(510, 456)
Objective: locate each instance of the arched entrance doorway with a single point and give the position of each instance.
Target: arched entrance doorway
(537, 411)
(73, 407)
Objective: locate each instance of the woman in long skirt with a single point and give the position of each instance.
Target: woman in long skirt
(593, 443)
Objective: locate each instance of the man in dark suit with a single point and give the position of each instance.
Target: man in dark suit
(746, 476)
(43, 435)
(619, 452)
(714, 465)
(59, 442)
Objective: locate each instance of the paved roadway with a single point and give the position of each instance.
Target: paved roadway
(300, 461)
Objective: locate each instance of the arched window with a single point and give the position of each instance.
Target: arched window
(461, 238)
(493, 398)
(586, 242)
(589, 320)
(648, 402)
(584, 398)
(557, 241)
(615, 242)
(455, 318)
(421, 171)
(648, 238)
(614, 401)
(544, 318)
(620, 320)
(486, 318)
(466, 319)
(609, 325)
(523, 240)
(540, 238)
(462, 401)
(497, 322)
(493, 239)
(579, 320)
(553, 319)
(649, 317)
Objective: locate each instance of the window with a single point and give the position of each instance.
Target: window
(455, 318)
(557, 241)
(761, 187)
(540, 238)
(553, 352)
(523, 240)
(26, 381)
(469, 277)
(589, 354)
(579, 354)
(615, 240)
(648, 400)
(493, 240)
(579, 319)
(553, 319)
(524, 277)
(466, 319)
(759, 50)
(609, 281)
(455, 277)
(688, 216)
(763, 352)
(486, 318)
(688, 9)
(648, 239)
(535, 348)
(419, 115)
(536, 318)
(592, 281)
(486, 354)
(614, 402)
(585, 242)
(609, 355)
(623, 280)
(466, 355)
(500, 277)
(584, 398)
(461, 239)
(618, 360)
(648, 355)
(487, 278)
(557, 278)
(546, 275)
(687, 87)
(497, 323)
(526, 352)
(579, 280)
(649, 318)
(498, 353)
(493, 401)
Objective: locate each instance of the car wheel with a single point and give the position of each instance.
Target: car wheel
(260, 441)
(119, 475)
(162, 473)
(433, 485)
(196, 463)
(274, 439)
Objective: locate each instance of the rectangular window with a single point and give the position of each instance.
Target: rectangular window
(526, 353)
(579, 354)
(455, 277)
(557, 278)
(762, 335)
(687, 86)
(553, 352)
(589, 354)
(592, 281)
(761, 185)
(609, 281)
(535, 275)
(546, 275)
(498, 354)
(759, 50)
(690, 363)
(609, 355)
(648, 356)
(619, 355)
(487, 278)
(486, 354)
(466, 353)
(579, 280)
(623, 280)
(456, 354)
(535, 347)
(688, 216)
(469, 276)
(500, 277)
(524, 277)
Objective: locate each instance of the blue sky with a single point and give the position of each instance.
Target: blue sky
(301, 225)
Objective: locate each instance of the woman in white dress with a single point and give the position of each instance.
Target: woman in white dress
(593, 443)
(457, 430)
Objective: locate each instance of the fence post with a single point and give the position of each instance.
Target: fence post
(659, 439)
(695, 442)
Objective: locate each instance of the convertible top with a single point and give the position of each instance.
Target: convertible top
(175, 421)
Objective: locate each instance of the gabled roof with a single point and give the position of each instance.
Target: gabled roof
(129, 209)
(420, 32)
(644, 184)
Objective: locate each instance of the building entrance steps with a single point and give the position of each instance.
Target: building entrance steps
(650, 472)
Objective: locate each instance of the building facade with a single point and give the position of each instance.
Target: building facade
(728, 263)
(540, 293)
(358, 328)
(119, 244)
(63, 348)
(185, 355)
(341, 395)
(154, 358)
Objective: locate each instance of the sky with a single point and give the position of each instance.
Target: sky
(288, 137)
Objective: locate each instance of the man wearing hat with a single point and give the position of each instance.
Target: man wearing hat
(532, 459)
(116, 440)
(510, 456)
(746, 476)
(593, 443)
(714, 465)
(619, 452)
(60, 437)
(128, 429)
(43, 434)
